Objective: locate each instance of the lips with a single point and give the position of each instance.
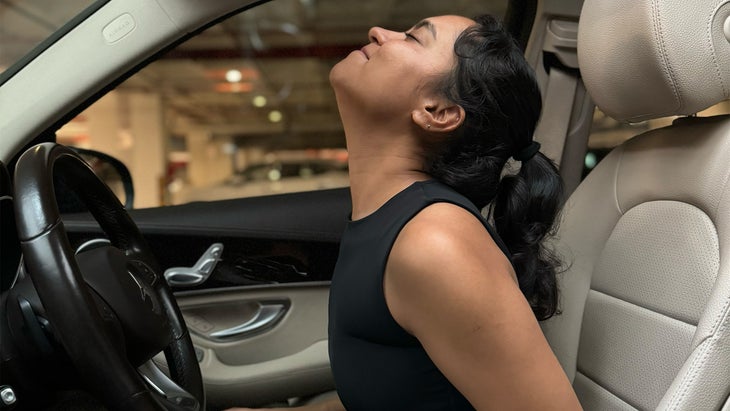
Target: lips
(362, 50)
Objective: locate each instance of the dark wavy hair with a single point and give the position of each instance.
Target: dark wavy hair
(497, 89)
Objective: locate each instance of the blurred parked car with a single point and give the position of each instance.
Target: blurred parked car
(279, 177)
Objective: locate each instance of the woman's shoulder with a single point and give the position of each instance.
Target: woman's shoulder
(443, 253)
(446, 233)
(443, 222)
(444, 239)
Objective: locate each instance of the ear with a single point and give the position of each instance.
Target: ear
(439, 117)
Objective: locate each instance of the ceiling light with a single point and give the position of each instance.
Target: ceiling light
(259, 101)
(275, 116)
(233, 76)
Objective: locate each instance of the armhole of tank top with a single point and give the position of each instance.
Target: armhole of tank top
(476, 213)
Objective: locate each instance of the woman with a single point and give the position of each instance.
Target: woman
(429, 308)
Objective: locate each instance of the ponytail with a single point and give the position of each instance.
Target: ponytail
(497, 89)
(524, 211)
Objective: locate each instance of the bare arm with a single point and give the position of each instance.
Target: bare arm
(451, 287)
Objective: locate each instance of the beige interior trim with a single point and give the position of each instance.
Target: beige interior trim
(287, 360)
(300, 374)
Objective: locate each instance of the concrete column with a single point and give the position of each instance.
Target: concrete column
(209, 162)
(148, 160)
(129, 126)
(104, 128)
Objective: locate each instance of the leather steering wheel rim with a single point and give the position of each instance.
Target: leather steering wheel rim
(69, 304)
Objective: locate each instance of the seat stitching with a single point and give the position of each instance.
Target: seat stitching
(726, 307)
(659, 38)
(616, 176)
(724, 190)
(722, 314)
(593, 380)
(703, 350)
(643, 307)
(712, 49)
(707, 345)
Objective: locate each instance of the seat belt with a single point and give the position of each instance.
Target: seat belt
(552, 132)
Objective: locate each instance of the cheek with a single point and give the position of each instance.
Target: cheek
(397, 78)
(391, 90)
(387, 84)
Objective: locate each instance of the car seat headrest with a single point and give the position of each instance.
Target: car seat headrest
(644, 59)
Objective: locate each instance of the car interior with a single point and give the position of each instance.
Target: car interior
(212, 304)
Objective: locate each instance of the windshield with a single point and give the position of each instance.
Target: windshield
(24, 24)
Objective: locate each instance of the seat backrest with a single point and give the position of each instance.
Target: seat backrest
(645, 302)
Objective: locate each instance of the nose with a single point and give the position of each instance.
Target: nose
(380, 35)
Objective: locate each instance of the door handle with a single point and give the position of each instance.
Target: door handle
(198, 273)
(266, 316)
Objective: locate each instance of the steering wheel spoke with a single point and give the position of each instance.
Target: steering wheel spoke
(173, 395)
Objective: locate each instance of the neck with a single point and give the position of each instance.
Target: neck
(383, 160)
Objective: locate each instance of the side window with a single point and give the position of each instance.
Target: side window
(245, 108)
(607, 133)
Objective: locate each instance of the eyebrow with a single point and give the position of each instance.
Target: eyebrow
(427, 24)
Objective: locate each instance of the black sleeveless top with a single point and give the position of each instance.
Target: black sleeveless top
(377, 365)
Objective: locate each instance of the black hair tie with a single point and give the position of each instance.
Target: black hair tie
(527, 152)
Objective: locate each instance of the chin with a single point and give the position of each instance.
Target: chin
(340, 76)
(334, 74)
(341, 71)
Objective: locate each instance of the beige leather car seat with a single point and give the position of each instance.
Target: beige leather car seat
(646, 298)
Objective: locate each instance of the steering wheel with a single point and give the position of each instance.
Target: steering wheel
(112, 320)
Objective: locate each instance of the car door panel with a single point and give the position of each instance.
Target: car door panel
(289, 359)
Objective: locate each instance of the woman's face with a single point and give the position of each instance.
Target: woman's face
(394, 73)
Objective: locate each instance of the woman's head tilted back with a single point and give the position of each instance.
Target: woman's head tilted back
(461, 91)
(391, 82)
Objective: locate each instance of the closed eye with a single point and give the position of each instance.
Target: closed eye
(412, 37)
